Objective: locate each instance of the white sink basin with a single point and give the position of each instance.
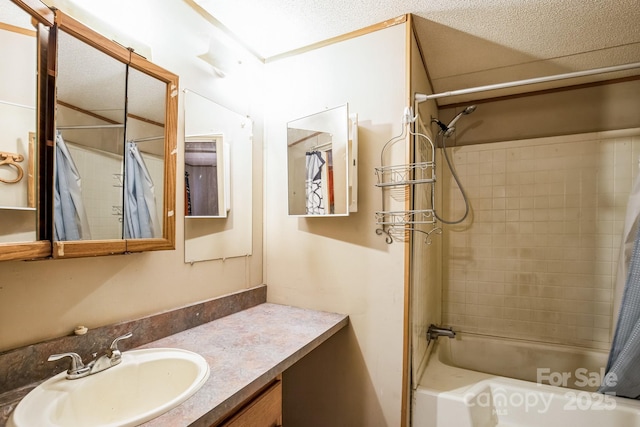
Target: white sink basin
(146, 384)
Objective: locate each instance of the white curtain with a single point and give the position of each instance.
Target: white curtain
(70, 217)
(140, 216)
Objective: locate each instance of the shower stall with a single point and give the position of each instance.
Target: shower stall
(525, 269)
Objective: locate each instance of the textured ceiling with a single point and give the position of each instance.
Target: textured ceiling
(466, 43)
(13, 15)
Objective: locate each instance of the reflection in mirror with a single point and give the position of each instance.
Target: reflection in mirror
(90, 118)
(18, 147)
(116, 123)
(321, 154)
(208, 157)
(206, 167)
(144, 158)
(210, 126)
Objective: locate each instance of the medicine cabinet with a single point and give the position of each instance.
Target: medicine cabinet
(24, 33)
(115, 139)
(322, 169)
(88, 149)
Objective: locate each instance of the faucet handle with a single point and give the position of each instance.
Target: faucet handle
(76, 369)
(113, 348)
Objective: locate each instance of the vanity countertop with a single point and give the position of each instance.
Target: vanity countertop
(245, 350)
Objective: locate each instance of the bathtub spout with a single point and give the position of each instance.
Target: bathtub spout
(439, 331)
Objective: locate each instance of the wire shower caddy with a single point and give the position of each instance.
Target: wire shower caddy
(398, 224)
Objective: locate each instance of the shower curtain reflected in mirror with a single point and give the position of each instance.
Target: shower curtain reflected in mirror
(315, 201)
(140, 216)
(70, 217)
(319, 182)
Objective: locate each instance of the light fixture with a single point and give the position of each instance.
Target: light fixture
(220, 57)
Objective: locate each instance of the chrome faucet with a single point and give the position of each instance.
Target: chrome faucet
(433, 332)
(111, 358)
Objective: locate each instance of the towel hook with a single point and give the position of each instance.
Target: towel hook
(11, 159)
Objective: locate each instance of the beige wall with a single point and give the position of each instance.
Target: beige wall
(588, 109)
(45, 299)
(340, 264)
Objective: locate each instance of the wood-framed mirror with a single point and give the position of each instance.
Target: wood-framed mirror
(24, 213)
(115, 147)
(153, 106)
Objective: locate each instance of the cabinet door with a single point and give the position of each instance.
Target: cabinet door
(24, 33)
(265, 410)
(115, 143)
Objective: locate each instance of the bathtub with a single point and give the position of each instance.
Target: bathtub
(481, 381)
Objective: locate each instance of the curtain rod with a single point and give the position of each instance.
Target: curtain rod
(90, 127)
(149, 138)
(422, 97)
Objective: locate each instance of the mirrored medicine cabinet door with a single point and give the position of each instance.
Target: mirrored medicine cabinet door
(24, 33)
(90, 126)
(321, 163)
(150, 162)
(115, 139)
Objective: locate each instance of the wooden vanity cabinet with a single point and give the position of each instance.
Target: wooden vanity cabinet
(263, 409)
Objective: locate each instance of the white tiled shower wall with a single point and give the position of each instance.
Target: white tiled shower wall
(102, 186)
(538, 259)
(101, 175)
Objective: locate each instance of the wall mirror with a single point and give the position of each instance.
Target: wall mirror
(115, 139)
(321, 163)
(24, 32)
(218, 180)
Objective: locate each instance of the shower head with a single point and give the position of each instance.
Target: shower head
(470, 109)
(450, 128)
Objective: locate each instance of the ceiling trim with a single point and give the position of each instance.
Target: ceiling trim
(357, 33)
(87, 112)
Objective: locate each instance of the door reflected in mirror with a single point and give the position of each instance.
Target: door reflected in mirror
(18, 147)
(206, 175)
(321, 159)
